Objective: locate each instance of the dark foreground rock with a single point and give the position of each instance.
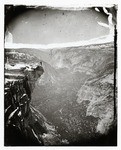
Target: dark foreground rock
(24, 125)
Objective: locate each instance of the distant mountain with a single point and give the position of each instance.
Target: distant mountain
(17, 57)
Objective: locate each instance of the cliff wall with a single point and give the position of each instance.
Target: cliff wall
(24, 125)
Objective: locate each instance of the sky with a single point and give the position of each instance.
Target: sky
(52, 26)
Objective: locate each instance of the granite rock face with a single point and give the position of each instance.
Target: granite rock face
(77, 93)
(24, 125)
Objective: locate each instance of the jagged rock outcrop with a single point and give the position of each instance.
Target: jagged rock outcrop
(97, 63)
(75, 93)
(24, 125)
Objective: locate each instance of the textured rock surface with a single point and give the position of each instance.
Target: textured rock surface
(76, 92)
(24, 125)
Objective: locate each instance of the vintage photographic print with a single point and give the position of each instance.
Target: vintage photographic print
(60, 68)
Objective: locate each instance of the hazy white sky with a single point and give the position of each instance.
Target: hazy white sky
(57, 26)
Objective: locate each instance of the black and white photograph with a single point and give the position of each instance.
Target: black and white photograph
(60, 75)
